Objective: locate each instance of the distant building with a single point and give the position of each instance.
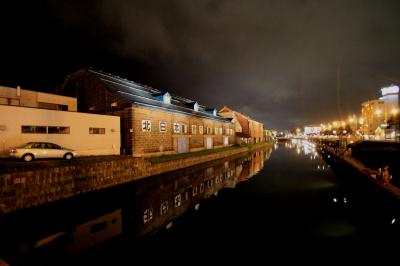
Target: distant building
(312, 130)
(28, 116)
(380, 117)
(246, 129)
(153, 122)
(373, 117)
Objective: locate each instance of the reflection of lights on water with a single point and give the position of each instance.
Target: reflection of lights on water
(216, 193)
(345, 200)
(393, 221)
(329, 165)
(298, 150)
(197, 206)
(334, 200)
(318, 167)
(275, 146)
(329, 156)
(168, 226)
(323, 167)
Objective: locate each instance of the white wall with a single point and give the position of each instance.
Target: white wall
(79, 139)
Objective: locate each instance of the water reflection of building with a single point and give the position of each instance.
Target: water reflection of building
(159, 203)
(135, 209)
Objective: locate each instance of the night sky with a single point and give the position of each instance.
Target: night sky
(285, 63)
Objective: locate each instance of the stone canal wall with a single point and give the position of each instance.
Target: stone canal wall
(28, 188)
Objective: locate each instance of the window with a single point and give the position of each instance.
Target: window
(201, 187)
(178, 200)
(34, 129)
(114, 104)
(208, 130)
(53, 106)
(58, 130)
(216, 131)
(193, 129)
(184, 128)
(146, 125)
(200, 129)
(52, 146)
(177, 128)
(167, 98)
(195, 191)
(164, 207)
(147, 215)
(163, 126)
(97, 130)
(220, 130)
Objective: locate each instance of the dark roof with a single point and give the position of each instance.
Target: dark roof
(140, 95)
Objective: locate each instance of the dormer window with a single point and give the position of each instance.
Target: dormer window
(114, 104)
(196, 107)
(212, 111)
(167, 98)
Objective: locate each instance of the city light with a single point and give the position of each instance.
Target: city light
(390, 90)
(394, 111)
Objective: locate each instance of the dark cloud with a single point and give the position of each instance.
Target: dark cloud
(282, 62)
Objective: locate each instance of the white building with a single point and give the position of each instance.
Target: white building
(22, 121)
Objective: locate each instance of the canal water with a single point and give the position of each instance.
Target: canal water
(283, 202)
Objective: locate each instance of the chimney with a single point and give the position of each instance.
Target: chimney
(18, 91)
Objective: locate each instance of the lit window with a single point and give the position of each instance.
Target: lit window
(216, 131)
(193, 129)
(146, 125)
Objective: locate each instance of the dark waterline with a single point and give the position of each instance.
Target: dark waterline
(292, 203)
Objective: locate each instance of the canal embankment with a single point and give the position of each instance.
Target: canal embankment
(343, 157)
(30, 186)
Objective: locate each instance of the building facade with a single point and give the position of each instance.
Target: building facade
(29, 98)
(152, 122)
(247, 130)
(22, 121)
(372, 113)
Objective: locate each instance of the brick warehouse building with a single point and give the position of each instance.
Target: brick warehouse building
(152, 122)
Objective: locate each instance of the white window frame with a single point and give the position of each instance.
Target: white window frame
(147, 215)
(164, 208)
(201, 130)
(165, 126)
(176, 128)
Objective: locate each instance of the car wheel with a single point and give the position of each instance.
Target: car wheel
(28, 157)
(68, 156)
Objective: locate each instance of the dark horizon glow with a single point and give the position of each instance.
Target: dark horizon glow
(284, 63)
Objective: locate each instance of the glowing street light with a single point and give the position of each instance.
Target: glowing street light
(394, 111)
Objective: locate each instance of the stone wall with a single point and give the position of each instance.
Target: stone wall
(25, 189)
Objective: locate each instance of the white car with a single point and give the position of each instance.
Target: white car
(38, 150)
